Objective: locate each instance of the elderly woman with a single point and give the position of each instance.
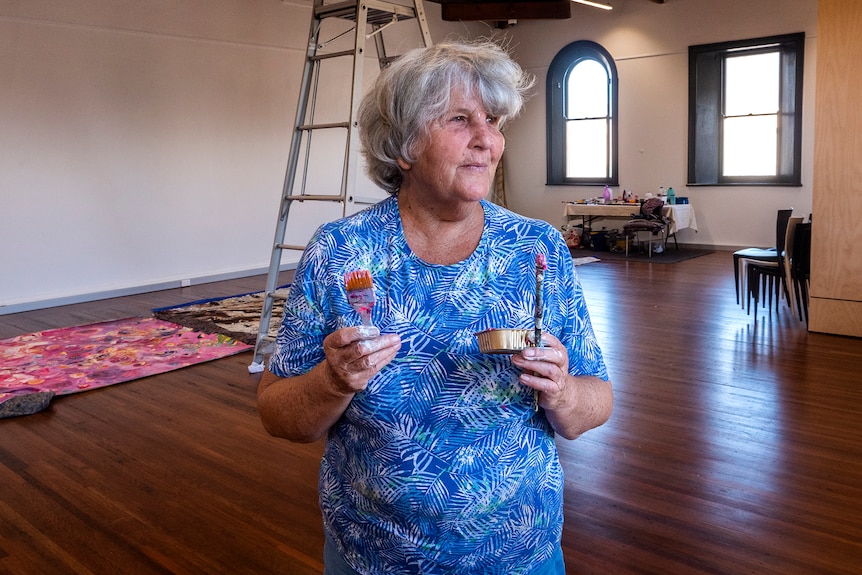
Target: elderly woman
(437, 460)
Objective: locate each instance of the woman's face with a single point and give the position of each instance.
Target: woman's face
(460, 156)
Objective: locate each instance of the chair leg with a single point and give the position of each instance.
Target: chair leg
(801, 289)
(803, 284)
(736, 276)
(785, 290)
(747, 303)
(750, 290)
(798, 297)
(774, 290)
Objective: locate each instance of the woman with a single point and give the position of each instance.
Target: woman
(436, 459)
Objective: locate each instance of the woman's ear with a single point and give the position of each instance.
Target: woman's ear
(403, 164)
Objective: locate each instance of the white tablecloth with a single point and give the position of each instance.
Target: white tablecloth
(681, 216)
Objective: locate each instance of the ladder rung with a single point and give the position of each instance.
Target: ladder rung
(290, 247)
(277, 296)
(318, 198)
(378, 12)
(332, 55)
(323, 126)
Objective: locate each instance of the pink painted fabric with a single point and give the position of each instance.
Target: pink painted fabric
(76, 359)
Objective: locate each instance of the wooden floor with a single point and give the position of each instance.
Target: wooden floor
(735, 447)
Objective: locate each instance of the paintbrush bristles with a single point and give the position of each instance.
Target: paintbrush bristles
(360, 293)
(358, 279)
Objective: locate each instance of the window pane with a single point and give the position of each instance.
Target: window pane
(587, 149)
(751, 84)
(750, 146)
(587, 91)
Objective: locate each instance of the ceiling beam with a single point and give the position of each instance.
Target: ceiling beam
(541, 10)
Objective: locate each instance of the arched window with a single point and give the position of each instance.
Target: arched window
(582, 116)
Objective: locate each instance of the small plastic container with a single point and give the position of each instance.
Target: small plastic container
(497, 340)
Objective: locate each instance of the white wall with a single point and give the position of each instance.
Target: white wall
(649, 43)
(144, 143)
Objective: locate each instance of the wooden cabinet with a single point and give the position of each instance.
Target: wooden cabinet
(836, 253)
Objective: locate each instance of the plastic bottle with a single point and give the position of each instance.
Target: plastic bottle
(671, 196)
(607, 195)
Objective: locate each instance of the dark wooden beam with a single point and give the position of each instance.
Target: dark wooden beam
(543, 10)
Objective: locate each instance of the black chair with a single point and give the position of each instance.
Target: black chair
(800, 268)
(769, 255)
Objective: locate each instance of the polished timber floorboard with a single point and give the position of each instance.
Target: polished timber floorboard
(735, 447)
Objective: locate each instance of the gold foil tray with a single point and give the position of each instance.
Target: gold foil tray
(502, 340)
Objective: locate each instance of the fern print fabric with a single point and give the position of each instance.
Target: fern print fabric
(441, 465)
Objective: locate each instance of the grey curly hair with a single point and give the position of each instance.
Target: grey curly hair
(414, 91)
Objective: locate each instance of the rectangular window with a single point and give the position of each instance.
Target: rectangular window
(745, 112)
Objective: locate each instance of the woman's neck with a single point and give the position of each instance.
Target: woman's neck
(441, 235)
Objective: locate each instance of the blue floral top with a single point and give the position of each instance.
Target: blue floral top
(441, 465)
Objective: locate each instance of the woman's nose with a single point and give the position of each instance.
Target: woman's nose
(485, 134)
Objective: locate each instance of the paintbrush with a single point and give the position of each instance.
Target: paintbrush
(541, 266)
(360, 293)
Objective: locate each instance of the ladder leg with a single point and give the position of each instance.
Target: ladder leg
(263, 340)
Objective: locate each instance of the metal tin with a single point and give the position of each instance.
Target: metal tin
(502, 340)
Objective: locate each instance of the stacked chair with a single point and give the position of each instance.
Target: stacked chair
(766, 279)
(768, 274)
(768, 256)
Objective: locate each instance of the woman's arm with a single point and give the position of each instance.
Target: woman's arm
(302, 408)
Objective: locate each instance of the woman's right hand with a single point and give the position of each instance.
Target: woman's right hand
(355, 354)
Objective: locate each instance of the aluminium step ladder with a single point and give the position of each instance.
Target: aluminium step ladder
(370, 18)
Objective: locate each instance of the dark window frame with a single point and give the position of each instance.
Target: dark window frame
(706, 103)
(558, 72)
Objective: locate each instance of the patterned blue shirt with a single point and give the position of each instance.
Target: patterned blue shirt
(441, 465)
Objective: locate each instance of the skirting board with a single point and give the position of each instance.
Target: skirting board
(134, 290)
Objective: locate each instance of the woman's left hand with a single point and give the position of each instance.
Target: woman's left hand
(573, 404)
(546, 369)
